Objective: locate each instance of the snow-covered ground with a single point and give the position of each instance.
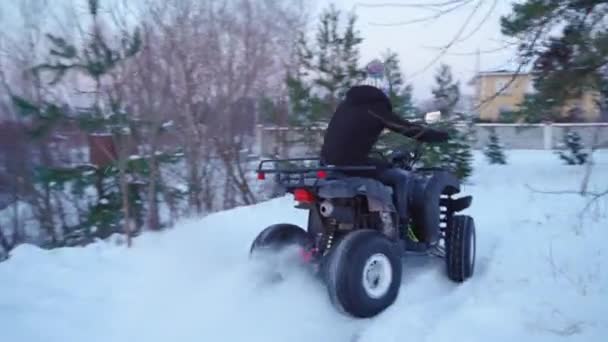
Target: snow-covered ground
(541, 276)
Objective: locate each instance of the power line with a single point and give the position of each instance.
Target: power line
(481, 23)
(476, 51)
(412, 5)
(441, 10)
(452, 42)
(439, 13)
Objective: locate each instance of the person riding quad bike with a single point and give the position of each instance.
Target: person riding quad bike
(364, 214)
(354, 129)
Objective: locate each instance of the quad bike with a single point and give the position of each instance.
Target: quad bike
(354, 241)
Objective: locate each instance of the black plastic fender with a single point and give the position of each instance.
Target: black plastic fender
(379, 196)
(425, 198)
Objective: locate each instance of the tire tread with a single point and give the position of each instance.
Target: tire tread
(457, 248)
(339, 265)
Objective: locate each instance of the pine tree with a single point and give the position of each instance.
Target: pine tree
(446, 93)
(400, 95)
(118, 184)
(323, 73)
(399, 92)
(455, 155)
(494, 150)
(571, 149)
(336, 57)
(306, 112)
(565, 63)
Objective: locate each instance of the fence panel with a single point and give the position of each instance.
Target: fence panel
(287, 141)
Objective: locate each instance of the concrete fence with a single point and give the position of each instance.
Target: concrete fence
(540, 136)
(288, 141)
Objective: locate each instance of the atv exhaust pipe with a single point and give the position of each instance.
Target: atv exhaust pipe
(326, 208)
(340, 213)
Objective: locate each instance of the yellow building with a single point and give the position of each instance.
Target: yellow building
(498, 92)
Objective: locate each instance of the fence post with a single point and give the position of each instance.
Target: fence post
(259, 143)
(548, 136)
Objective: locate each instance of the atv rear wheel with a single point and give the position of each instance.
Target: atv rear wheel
(363, 273)
(460, 248)
(278, 237)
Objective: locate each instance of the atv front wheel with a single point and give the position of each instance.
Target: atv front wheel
(460, 248)
(363, 273)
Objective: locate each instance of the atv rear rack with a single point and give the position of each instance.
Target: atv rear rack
(295, 176)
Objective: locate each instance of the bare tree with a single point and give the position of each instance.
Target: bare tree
(202, 67)
(218, 56)
(20, 51)
(179, 48)
(245, 41)
(145, 92)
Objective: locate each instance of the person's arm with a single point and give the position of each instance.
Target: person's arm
(409, 129)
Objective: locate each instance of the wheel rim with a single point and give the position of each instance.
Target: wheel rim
(377, 275)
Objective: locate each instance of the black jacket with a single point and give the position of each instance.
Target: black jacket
(358, 122)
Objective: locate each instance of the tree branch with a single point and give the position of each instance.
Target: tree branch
(525, 62)
(445, 48)
(593, 196)
(413, 5)
(440, 13)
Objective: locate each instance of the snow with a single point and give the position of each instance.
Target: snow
(541, 276)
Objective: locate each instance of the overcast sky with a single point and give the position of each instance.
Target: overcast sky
(417, 43)
(414, 43)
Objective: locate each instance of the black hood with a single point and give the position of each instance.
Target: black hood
(365, 95)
